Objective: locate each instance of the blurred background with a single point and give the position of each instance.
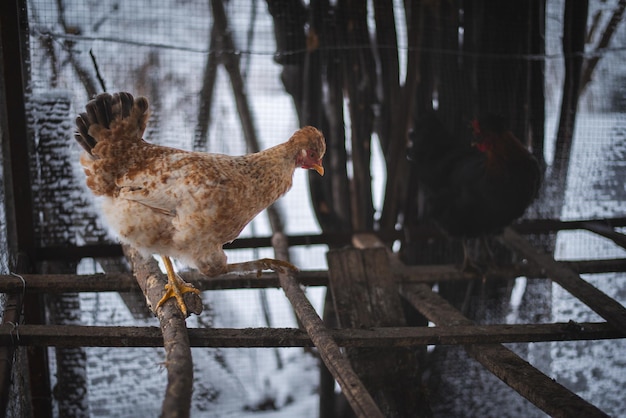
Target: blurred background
(222, 76)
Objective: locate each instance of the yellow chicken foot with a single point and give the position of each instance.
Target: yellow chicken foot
(262, 264)
(175, 287)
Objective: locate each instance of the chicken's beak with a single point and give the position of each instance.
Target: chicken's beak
(318, 168)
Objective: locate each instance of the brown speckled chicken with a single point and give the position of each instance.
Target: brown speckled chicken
(178, 203)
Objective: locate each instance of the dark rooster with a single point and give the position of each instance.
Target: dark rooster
(473, 188)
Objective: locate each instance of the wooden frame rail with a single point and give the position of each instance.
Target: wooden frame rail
(413, 283)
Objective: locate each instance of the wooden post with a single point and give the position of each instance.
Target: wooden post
(365, 295)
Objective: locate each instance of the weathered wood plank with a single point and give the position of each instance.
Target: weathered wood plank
(115, 336)
(541, 390)
(598, 301)
(365, 294)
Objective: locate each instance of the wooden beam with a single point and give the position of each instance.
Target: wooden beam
(116, 336)
(10, 321)
(335, 239)
(360, 400)
(606, 231)
(125, 282)
(598, 301)
(365, 294)
(175, 340)
(541, 390)
(438, 273)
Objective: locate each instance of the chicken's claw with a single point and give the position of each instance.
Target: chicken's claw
(175, 287)
(279, 266)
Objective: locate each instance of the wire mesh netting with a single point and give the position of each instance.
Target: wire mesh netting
(162, 50)
(166, 51)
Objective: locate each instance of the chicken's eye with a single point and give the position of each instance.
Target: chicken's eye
(313, 154)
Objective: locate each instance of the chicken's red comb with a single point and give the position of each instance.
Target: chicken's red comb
(476, 126)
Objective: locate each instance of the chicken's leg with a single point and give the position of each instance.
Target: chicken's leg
(175, 287)
(260, 265)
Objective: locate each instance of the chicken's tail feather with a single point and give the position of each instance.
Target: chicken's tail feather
(107, 112)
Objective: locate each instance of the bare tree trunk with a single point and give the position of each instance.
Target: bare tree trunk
(397, 103)
(206, 93)
(574, 30)
(360, 82)
(86, 78)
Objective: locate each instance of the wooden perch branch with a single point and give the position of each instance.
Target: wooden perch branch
(177, 402)
(339, 366)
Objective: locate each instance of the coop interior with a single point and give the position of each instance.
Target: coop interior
(382, 319)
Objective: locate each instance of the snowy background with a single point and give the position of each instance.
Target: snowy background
(159, 49)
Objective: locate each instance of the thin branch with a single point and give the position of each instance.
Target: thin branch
(231, 62)
(177, 401)
(574, 24)
(97, 69)
(607, 35)
(396, 188)
(83, 74)
(206, 93)
(356, 394)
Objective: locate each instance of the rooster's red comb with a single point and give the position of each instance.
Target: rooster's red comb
(476, 126)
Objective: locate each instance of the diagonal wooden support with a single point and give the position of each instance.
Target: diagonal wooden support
(606, 231)
(541, 390)
(603, 305)
(355, 392)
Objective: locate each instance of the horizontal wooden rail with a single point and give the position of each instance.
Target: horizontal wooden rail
(607, 232)
(116, 336)
(125, 282)
(541, 390)
(605, 306)
(335, 239)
